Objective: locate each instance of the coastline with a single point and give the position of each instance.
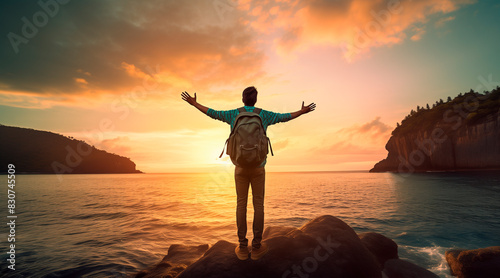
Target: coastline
(462, 170)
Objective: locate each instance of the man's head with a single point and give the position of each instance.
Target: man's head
(250, 96)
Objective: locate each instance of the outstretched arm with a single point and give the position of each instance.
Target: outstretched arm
(192, 100)
(304, 110)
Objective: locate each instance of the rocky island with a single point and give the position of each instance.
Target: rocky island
(458, 134)
(42, 152)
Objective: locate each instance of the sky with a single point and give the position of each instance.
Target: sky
(111, 73)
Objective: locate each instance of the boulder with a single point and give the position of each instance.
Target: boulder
(382, 247)
(483, 262)
(324, 247)
(396, 268)
(274, 231)
(177, 259)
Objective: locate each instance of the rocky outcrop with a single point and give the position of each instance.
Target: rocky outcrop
(484, 262)
(177, 259)
(383, 248)
(36, 151)
(324, 247)
(396, 268)
(462, 134)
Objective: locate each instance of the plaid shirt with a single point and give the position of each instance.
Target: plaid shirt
(268, 117)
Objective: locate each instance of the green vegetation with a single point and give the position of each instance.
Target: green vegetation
(472, 107)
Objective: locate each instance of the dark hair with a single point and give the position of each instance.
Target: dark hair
(250, 96)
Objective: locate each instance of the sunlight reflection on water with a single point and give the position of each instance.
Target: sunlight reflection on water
(104, 223)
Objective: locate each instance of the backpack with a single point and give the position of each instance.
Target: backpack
(247, 143)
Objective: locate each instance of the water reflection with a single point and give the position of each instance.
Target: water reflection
(129, 221)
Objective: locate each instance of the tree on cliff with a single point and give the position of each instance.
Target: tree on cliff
(479, 106)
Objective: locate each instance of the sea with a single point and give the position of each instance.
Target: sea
(114, 225)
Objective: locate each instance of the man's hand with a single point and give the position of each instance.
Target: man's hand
(309, 108)
(192, 100)
(188, 98)
(304, 110)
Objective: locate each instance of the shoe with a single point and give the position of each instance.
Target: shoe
(259, 253)
(242, 252)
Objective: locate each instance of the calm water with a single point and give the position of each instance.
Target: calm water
(116, 225)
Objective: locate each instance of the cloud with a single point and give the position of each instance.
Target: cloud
(419, 32)
(37, 101)
(442, 21)
(366, 139)
(97, 48)
(119, 145)
(375, 127)
(355, 26)
(279, 145)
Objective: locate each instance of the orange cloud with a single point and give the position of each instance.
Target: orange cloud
(279, 145)
(355, 26)
(81, 81)
(419, 32)
(133, 71)
(119, 145)
(107, 52)
(32, 100)
(365, 139)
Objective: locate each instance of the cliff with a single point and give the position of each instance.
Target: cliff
(460, 134)
(35, 151)
(324, 247)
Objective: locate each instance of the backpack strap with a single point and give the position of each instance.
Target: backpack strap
(240, 110)
(257, 111)
(269, 142)
(225, 144)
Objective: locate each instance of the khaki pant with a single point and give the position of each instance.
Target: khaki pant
(244, 177)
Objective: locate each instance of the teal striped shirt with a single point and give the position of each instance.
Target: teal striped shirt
(268, 118)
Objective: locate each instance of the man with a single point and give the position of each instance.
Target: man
(245, 176)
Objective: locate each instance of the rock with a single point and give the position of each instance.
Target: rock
(484, 262)
(324, 247)
(273, 231)
(442, 139)
(177, 259)
(383, 248)
(396, 268)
